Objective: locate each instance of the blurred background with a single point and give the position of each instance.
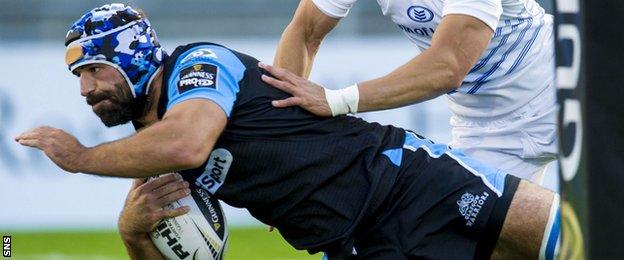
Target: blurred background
(53, 211)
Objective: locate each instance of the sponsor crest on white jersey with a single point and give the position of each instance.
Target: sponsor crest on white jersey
(420, 14)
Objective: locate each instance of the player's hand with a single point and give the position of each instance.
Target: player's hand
(146, 201)
(62, 148)
(305, 93)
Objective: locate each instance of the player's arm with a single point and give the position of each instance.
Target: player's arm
(302, 37)
(144, 208)
(457, 44)
(182, 140)
(141, 247)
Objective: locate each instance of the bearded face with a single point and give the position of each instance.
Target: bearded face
(108, 93)
(113, 107)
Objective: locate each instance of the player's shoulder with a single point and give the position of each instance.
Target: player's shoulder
(203, 70)
(205, 52)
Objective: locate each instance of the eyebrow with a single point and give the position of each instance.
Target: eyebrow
(87, 66)
(90, 65)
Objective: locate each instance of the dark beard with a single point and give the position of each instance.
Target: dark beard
(122, 107)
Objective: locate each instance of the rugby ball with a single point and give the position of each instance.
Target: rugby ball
(199, 234)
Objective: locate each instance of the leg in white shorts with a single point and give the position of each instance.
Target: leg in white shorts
(521, 143)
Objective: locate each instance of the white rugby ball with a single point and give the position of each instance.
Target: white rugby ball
(199, 234)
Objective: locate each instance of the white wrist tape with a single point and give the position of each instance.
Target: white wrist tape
(343, 101)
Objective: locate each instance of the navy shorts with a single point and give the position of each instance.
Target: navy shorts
(444, 206)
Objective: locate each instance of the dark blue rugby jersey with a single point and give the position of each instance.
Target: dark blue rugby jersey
(312, 178)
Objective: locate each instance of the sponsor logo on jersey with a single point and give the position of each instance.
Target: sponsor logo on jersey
(422, 31)
(216, 170)
(420, 14)
(198, 76)
(470, 205)
(207, 53)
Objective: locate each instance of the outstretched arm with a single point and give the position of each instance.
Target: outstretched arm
(302, 37)
(456, 46)
(182, 140)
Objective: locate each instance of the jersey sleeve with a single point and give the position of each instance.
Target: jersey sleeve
(334, 8)
(206, 72)
(488, 11)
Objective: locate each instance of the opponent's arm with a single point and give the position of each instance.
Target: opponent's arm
(182, 140)
(302, 37)
(456, 46)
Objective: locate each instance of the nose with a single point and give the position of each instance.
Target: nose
(87, 84)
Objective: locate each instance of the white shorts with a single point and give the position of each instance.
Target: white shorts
(521, 142)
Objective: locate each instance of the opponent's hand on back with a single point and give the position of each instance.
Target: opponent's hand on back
(144, 206)
(305, 93)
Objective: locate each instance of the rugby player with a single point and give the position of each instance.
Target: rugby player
(493, 58)
(340, 185)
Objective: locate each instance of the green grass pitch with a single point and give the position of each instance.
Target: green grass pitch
(245, 243)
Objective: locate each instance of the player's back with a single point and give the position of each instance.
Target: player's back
(313, 178)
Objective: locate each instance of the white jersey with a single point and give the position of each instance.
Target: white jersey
(517, 65)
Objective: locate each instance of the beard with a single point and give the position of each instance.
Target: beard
(115, 107)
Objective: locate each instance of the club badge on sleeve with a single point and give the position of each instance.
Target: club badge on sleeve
(198, 76)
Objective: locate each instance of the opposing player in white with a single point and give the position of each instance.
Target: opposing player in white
(493, 59)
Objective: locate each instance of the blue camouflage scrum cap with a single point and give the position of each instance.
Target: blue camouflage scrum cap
(119, 36)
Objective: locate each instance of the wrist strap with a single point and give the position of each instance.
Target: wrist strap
(343, 101)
